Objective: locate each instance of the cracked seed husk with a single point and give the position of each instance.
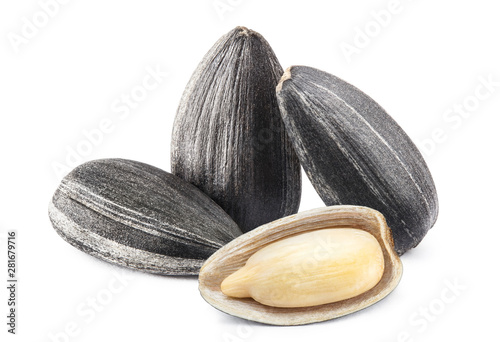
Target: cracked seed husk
(355, 153)
(276, 245)
(228, 137)
(136, 215)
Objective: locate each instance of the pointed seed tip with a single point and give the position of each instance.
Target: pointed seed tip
(243, 30)
(234, 286)
(286, 75)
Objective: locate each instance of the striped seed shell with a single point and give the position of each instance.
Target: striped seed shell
(228, 137)
(136, 215)
(233, 256)
(355, 153)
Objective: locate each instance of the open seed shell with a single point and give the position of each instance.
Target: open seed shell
(136, 215)
(234, 255)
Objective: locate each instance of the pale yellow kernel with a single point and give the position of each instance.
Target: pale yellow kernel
(313, 268)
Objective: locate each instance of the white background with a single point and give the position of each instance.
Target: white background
(63, 78)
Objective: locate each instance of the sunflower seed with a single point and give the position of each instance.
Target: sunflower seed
(228, 137)
(355, 153)
(136, 215)
(278, 251)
